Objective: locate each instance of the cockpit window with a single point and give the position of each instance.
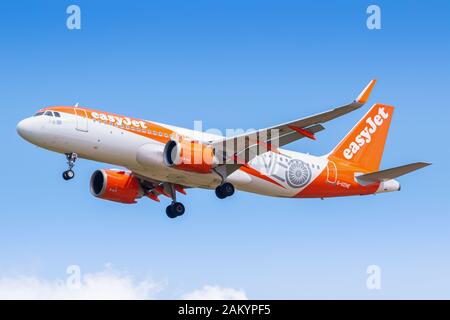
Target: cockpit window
(48, 113)
(57, 114)
(40, 113)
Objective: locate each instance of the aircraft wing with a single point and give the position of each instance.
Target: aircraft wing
(392, 173)
(245, 147)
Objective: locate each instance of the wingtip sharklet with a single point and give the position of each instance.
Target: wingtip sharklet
(364, 95)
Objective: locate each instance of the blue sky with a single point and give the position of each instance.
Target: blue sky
(231, 64)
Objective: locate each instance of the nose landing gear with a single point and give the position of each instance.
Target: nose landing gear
(69, 174)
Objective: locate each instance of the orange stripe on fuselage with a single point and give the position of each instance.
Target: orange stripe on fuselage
(256, 173)
(149, 126)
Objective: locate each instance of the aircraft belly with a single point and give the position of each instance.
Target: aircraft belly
(185, 178)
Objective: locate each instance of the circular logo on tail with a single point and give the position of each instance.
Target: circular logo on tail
(298, 173)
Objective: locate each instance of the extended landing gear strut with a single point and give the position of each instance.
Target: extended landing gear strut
(224, 190)
(175, 209)
(71, 158)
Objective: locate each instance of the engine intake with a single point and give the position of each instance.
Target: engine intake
(118, 186)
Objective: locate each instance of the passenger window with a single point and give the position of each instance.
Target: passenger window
(57, 114)
(49, 113)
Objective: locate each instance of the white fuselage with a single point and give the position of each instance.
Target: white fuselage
(103, 142)
(138, 146)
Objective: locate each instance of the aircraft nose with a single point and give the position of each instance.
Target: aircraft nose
(24, 129)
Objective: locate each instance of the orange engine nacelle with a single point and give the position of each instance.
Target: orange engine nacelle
(189, 156)
(118, 186)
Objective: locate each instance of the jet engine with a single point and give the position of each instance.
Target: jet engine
(114, 185)
(189, 155)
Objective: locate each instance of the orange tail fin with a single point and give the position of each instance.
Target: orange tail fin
(364, 144)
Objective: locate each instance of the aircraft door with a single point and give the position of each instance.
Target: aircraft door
(82, 120)
(331, 172)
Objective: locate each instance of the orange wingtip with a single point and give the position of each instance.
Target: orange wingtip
(364, 95)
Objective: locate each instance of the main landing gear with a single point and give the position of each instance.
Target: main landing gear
(71, 158)
(175, 209)
(224, 190)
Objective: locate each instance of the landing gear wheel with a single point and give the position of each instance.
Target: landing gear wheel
(69, 174)
(176, 209)
(219, 193)
(228, 189)
(224, 190)
(170, 212)
(71, 158)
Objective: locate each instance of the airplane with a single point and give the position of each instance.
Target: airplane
(159, 159)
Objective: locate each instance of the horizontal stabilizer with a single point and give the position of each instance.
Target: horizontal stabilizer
(392, 173)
